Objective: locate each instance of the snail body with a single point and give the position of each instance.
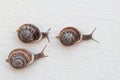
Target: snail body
(20, 58)
(68, 36)
(28, 33)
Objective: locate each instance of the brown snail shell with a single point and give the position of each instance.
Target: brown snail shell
(69, 36)
(28, 33)
(20, 58)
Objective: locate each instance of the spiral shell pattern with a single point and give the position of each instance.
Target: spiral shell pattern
(69, 36)
(19, 58)
(28, 33)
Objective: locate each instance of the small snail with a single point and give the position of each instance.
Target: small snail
(28, 33)
(20, 58)
(70, 35)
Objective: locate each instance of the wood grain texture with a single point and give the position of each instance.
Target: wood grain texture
(85, 61)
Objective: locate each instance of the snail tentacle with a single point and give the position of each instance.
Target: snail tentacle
(89, 36)
(45, 34)
(41, 54)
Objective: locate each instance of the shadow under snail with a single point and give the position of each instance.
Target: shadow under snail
(20, 58)
(28, 33)
(69, 36)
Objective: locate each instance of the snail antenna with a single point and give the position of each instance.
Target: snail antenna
(47, 34)
(92, 37)
(95, 40)
(43, 49)
(89, 36)
(41, 54)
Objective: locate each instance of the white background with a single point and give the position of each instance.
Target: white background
(87, 60)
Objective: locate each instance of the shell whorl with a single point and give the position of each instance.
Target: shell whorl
(28, 33)
(69, 36)
(19, 58)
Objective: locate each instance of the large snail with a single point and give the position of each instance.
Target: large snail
(69, 36)
(20, 58)
(28, 33)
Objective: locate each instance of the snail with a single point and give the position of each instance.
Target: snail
(69, 36)
(20, 58)
(28, 33)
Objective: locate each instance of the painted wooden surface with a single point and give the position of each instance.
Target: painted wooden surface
(85, 61)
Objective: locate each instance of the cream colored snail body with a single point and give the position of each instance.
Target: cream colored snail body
(28, 33)
(68, 36)
(20, 58)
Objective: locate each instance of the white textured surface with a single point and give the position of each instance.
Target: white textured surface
(85, 61)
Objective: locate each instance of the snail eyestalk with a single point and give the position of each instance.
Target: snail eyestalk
(41, 54)
(45, 34)
(95, 40)
(89, 36)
